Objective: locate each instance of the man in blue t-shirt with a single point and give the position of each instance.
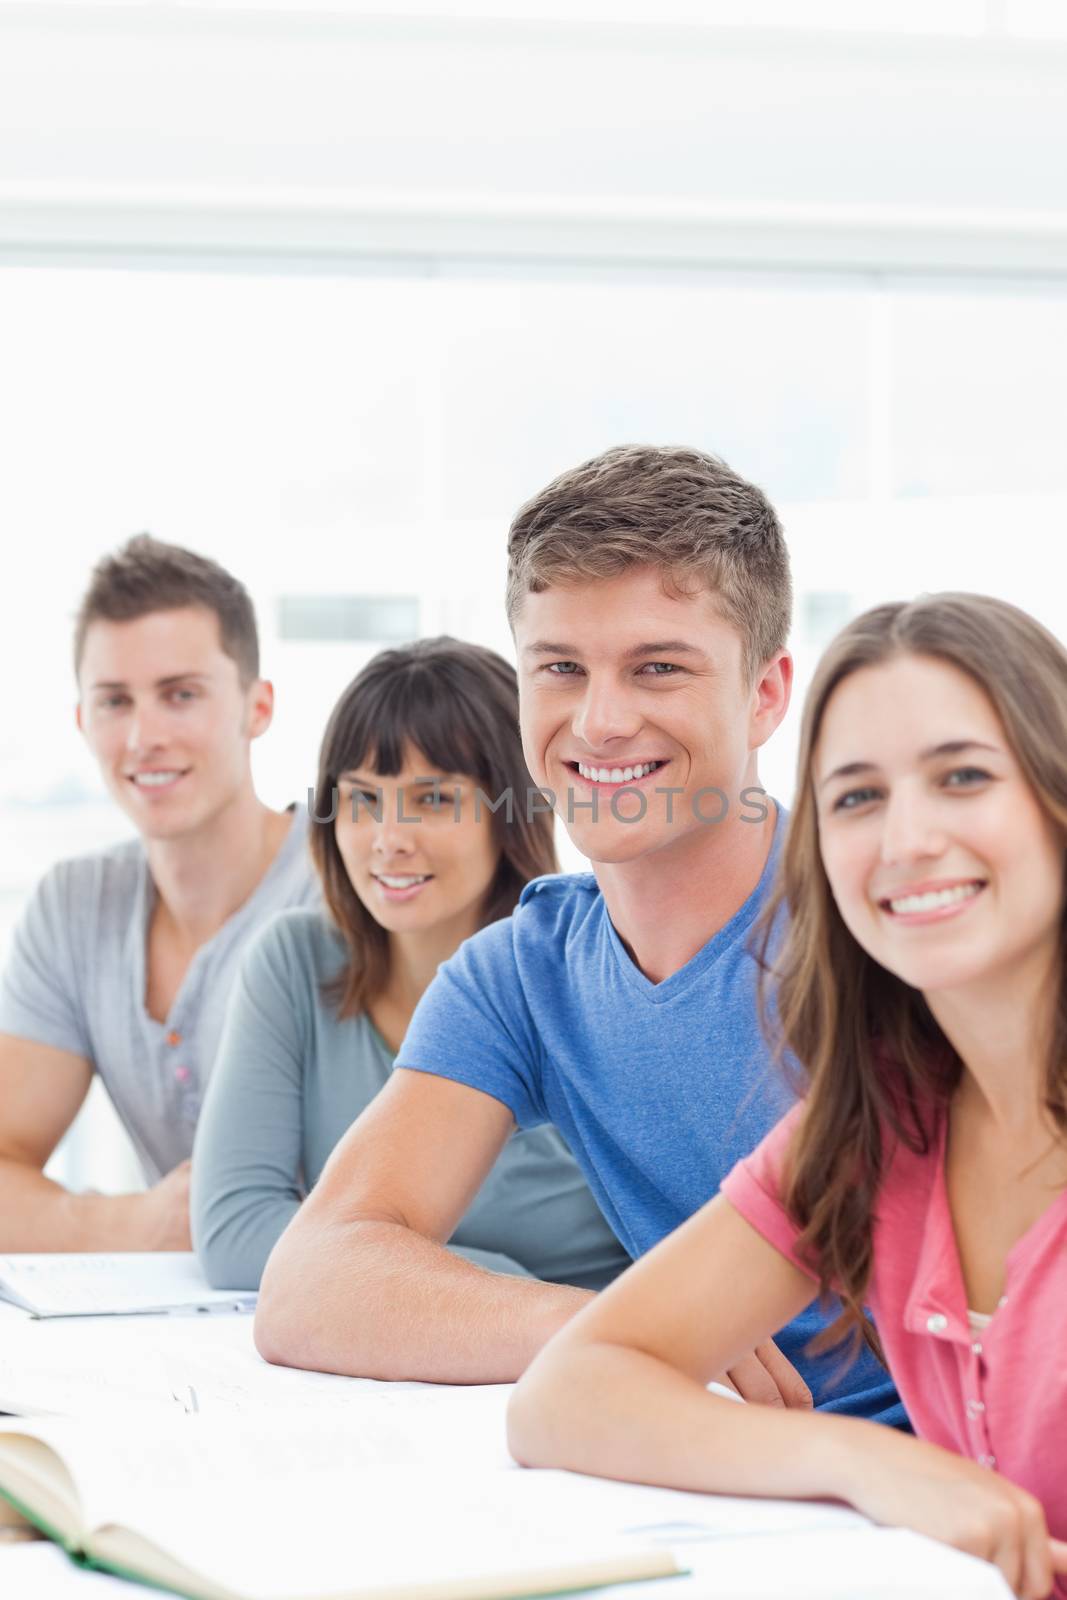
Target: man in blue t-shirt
(649, 595)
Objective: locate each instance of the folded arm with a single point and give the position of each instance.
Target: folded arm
(362, 1283)
(41, 1091)
(620, 1392)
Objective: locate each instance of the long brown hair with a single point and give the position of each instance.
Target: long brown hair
(457, 704)
(877, 1065)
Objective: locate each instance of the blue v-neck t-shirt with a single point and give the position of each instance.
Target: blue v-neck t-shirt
(658, 1088)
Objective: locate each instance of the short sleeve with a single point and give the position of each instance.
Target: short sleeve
(39, 997)
(754, 1189)
(473, 1025)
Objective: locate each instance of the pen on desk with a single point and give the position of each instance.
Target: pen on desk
(240, 1303)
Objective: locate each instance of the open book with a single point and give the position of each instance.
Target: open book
(278, 1513)
(122, 1283)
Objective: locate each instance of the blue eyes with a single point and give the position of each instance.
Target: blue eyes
(654, 669)
(113, 702)
(965, 778)
(853, 799)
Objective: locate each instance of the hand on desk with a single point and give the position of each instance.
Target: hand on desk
(906, 1483)
(766, 1378)
(163, 1211)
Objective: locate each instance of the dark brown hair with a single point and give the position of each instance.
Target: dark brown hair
(146, 575)
(456, 704)
(877, 1066)
(679, 510)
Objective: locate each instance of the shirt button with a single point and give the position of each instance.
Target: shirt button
(975, 1408)
(936, 1323)
(976, 1348)
(182, 1074)
(174, 1038)
(987, 1461)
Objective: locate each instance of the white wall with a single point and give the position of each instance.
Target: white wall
(312, 133)
(326, 293)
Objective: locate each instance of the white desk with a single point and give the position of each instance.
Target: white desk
(763, 1550)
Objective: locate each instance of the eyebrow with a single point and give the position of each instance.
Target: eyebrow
(950, 747)
(662, 647)
(160, 683)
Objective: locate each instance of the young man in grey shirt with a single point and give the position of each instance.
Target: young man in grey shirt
(123, 960)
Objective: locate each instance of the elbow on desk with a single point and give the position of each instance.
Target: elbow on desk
(227, 1260)
(226, 1267)
(278, 1335)
(528, 1440)
(292, 1319)
(560, 1411)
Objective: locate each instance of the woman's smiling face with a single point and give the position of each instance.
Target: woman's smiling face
(418, 846)
(943, 863)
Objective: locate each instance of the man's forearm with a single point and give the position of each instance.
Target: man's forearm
(37, 1214)
(375, 1300)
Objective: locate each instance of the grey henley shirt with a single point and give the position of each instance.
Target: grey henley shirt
(75, 980)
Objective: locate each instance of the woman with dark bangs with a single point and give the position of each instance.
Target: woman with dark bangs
(922, 985)
(417, 846)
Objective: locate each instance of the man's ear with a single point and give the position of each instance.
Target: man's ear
(79, 724)
(260, 707)
(770, 697)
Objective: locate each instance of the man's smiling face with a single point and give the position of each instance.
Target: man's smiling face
(164, 712)
(619, 676)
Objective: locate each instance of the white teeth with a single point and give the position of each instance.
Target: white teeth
(392, 882)
(934, 900)
(616, 774)
(154, 780)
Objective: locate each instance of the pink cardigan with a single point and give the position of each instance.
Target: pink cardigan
(999, 1395)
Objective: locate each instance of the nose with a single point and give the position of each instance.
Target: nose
(391, 836)
(911, 831)
(143, 732)
(605, 712)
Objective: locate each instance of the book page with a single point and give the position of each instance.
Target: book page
(65, 1285)
(274, 1512)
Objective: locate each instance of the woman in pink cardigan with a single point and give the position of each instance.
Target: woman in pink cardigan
(922, 985)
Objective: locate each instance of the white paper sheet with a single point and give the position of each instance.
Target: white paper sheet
(62, 1285)
(824, 1564)
(77, 1367)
